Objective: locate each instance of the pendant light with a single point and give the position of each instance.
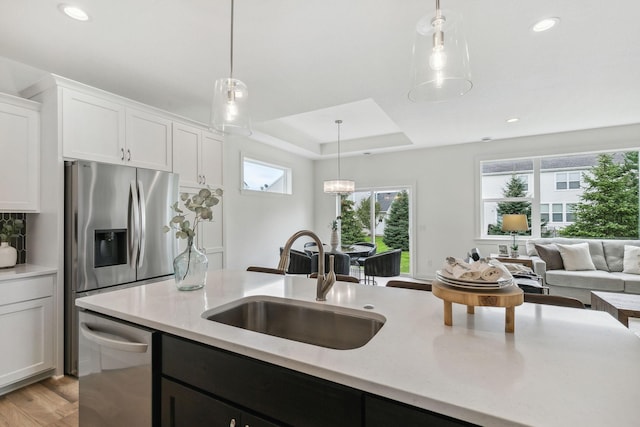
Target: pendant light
(339, 186)
(230, 111)
(440, 58)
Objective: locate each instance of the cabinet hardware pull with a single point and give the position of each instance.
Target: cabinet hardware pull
(204, 179)
(108, 339)
(128, 155)
(122, 154)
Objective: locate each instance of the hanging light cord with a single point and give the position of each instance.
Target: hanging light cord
(231, 49)
(438, 11)
(339, 175)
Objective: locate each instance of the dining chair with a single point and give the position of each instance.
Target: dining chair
(385, 264)
(308, 245)
(362, 256)
(341, 263)
(405, 284)
(265, 270)
(553, 300)
(299, 262)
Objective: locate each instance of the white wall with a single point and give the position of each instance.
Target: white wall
(446, 181)
(258, 223)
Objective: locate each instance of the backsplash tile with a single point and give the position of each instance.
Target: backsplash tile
(20, 242)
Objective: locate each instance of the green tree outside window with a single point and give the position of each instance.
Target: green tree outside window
(396, 231)
(608, 206)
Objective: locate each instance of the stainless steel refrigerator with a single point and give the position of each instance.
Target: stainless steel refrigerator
(114, 217)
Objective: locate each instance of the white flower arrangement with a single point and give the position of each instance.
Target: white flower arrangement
(200, 204)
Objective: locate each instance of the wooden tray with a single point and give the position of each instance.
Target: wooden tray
(508, 297)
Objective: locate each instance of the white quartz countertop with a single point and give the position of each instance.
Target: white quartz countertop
(24, 270)
(561, 367)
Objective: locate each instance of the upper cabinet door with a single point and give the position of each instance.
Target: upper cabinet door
(211, 159)
(148, 140)
(92, 128)
(20, 148)
(186, 154)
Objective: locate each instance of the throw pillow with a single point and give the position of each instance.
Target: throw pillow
(550, 255)
(576, 257)
(631, 261)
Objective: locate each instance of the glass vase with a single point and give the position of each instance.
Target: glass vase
(190, 268)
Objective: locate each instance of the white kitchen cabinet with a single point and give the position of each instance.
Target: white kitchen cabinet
(26, 328)
(197, 156)
(92, 128)
(103, 130)
(211, 159)
(20, 150)
(209, 234)
(148, 140)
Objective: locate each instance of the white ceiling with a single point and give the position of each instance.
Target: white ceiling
(309, 62)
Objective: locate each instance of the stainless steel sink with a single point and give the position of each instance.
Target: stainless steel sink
(325, 326)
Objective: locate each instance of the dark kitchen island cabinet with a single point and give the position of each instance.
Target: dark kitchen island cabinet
(203, 385)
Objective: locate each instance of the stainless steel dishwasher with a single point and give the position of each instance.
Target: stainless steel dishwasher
(114, 371)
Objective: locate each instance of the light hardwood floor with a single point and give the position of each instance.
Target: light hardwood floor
(52, 403)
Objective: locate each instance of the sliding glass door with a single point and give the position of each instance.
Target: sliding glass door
(382, 216)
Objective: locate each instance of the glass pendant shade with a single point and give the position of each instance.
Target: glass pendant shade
(339, 186)
(440, 68)
(230, 110)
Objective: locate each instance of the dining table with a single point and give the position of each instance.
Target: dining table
(354, 251)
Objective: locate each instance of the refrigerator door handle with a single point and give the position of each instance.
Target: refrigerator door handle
(134, 239)
(105, 339)
(143, 222)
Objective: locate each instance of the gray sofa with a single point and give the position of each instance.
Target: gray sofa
(607, 257)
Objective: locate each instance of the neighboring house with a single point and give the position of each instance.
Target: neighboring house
(384, 200)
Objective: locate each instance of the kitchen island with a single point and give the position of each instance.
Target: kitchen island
(562, 366)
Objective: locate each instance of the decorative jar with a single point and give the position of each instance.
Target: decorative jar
(8, 255)
(190, 268)
(334, 242)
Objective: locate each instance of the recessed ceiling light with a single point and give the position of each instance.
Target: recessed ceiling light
(74, 12)
(512, 120)
(545, 24)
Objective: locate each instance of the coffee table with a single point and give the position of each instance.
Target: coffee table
(620, 306)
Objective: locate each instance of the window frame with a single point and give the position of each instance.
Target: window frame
(287, 175)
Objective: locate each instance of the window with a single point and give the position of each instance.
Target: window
(570, 214)
(520, 186)
(505, 190)
(544, 212)
(567, 180)
(265, 177)
(556, 212)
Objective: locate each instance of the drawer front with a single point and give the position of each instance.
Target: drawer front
(12, 291)
(381, 412)
(182, 406)
(26, 329)
(279, 393)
